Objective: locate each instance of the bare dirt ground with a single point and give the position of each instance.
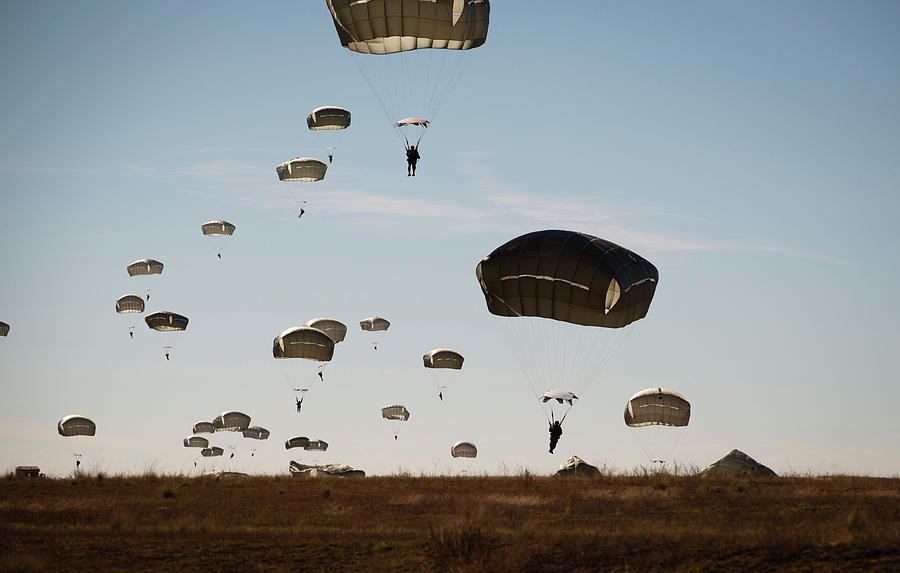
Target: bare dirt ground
(520, 523)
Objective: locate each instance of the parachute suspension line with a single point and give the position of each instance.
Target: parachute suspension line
(608, 354)
(377, 91)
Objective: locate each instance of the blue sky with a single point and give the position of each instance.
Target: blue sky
(748, 150)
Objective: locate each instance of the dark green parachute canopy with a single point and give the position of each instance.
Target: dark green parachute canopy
(212, 452)
(76, 426)
(302, 169)
(166, 321)
(303, 342)
(256, 433)
(217, 228)
(567, 276)
(395, 412)
(204, 427)
(130, 303)
(390, 26)
(296, 442)
(335, 329)
(196, 442)
(443, 358)
(657, 407)
(316, 445)
(374, 323)
(463, 450)
(328, 118)
(231, 421)
(4, 329)
(145, 267)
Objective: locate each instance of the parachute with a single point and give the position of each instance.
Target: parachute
(395, 412)
(316, 445)
(374, 324)
(443, 358)
(145, 267)
(411, 52)
(296, 442)
(212, 452)
(657, 407)
(166, 321)
(559, 395)
(256, 433)
(217, 228)
(463, 450)
(565, 297)
(231, 421)
(303, 342)
(204, 427)
(76, 426)
(659, 417)
(4, 329)
(302, 169)
(326, 121)
(196, 442)
(335, 330)
(130, 303)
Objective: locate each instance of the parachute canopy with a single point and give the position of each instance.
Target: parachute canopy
(316, 445)
(145, 267)
(130, 303)
(567, 276)
(212, 452)
(328, 117)
(374, 323)
(657, 407)
(443, 358)
(196, 442)
(296, 442)
(389, 26)
(335, 330)
(76, 426)
(231, 421)
(203, 427)
(217, 228)
(413, 121)
(395, 412)
(302, 169)
(463, 450)
(4, 329)
(165, 321)
(303, 342)
(559, 395)
(256, 433)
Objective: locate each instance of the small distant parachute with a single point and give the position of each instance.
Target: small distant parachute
(335, 330)
(328, 118)
(559, 395)
(76, 426)
(374, 323)
(303, 342)
(302, 169)
(231, 421)
(296, 442)
(166, 321)
(316, 445)
(256, 433)
(443, 358)
(203, 427)
(4, 329)
(217, 228)
(212, 452)
(145, 267)
(395, 412)
(657, 407)
(130, 303)
(196, 442)
(463, 450)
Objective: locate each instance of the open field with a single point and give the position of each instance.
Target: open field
(520, 523)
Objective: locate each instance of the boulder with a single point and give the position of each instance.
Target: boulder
(737, 463)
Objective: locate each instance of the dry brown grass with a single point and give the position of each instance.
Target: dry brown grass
(644, 521)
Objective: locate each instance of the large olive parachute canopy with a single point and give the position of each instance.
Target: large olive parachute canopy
(196, 442)
(657, 407)
(256, 433)
(374, 323)
(166, 321)
(130, 303)
(395, 412)
(335, 330)
(567, 276)
(145, 267)
(204, 427)
(76, 426)
(217, 228)
(296, 442)
(231, 421)
(443, 358)
(302, 169)
(328, 118)
(463, 450)
(4, 329)
(212, 452)
(316, 446)
(303, 342)
(390, 26)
